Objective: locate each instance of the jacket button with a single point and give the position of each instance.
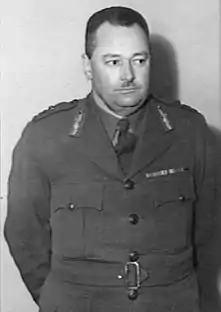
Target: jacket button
(134, 256)
(132, 294)
(71, 206)
(129, 184)
(182, 198)
(133, 218)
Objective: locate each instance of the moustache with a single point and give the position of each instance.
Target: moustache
(127, 86)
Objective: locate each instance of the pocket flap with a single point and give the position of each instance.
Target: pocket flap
(76, 195)
(170, 191)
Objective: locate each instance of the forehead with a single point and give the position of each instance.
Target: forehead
(120, 39)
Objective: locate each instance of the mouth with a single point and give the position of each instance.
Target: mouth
(126, 90)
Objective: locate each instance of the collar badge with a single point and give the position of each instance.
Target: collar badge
(77, 124)
(164, 119)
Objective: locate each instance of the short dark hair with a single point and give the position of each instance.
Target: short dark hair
(115, 15)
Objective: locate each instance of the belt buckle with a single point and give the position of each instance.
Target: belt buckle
(137, 273)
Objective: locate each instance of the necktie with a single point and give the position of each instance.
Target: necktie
(125, 140)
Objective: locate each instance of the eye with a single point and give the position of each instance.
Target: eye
(139, 61)
(113, 62)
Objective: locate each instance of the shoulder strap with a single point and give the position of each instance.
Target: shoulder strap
(64, 106)
(187, 107)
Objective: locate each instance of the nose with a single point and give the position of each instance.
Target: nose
(127, 72)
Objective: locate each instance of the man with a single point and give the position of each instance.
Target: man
(111, 199)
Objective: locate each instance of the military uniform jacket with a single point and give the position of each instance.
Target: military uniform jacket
(80, 231)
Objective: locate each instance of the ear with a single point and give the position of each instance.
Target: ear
(87, 66)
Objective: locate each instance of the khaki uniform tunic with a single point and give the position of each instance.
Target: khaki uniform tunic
(88, 238)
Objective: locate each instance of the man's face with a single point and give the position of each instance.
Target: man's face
(119, 67)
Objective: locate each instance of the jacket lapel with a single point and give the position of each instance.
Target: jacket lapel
(155, 138)
(94, 140)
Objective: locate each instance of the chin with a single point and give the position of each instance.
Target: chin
(130, 102)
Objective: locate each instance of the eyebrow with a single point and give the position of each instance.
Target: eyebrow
(142, 53)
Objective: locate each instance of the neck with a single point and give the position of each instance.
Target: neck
(125, 112)
(105, 107)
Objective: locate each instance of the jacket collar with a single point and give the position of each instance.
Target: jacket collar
(155, 137)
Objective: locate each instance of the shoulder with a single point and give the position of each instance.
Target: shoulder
(187, 123)
(55, 109)
(57, 117)
(51, 123)
(177, 105)
(180, 113)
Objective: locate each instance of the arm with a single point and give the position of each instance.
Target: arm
(206, 238)
(27, 229)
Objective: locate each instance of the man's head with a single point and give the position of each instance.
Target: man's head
(117, 58)
(116, 16)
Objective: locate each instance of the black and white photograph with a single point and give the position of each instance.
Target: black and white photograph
(110, 156)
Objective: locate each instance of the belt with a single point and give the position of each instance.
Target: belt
(132, 274)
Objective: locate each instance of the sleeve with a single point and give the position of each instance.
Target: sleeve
(27, 227)
(207, 236)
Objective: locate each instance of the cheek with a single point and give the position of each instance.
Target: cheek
(106, 80)
(143, 77)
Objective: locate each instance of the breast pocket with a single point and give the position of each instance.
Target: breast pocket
(76, 219)
(173, 200)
